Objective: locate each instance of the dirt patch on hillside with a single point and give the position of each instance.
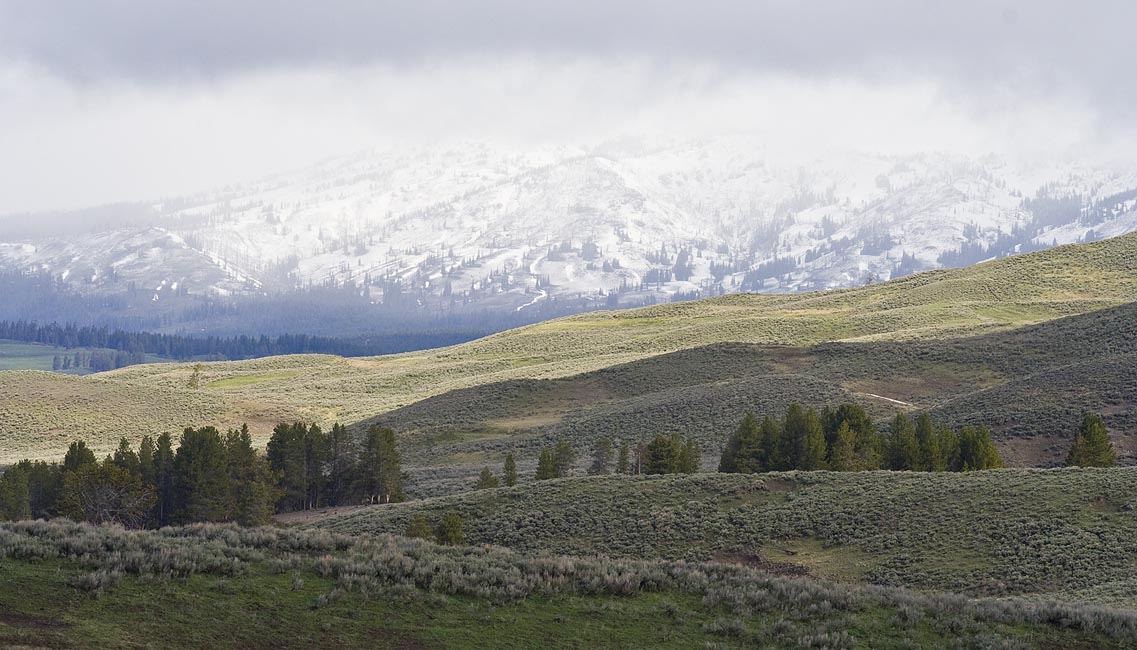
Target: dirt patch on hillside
(755, 561)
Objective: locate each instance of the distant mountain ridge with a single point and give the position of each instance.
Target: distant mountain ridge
(475, 227)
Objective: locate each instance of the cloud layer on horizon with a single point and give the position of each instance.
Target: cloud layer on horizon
(124, 100)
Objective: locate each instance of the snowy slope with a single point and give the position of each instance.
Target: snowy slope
(619, 223)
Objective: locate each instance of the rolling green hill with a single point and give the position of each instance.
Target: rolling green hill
(1029, 384)
(996, 296)
(1068, 535)
(78, 586)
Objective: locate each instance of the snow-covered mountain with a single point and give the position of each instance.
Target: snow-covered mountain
(626, 222)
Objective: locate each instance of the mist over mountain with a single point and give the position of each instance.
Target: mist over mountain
(430, 233)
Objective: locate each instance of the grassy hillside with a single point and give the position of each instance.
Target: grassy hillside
(1046, 534)
(1030, 385)
(994, 296)
(42, 412)
(73, 586)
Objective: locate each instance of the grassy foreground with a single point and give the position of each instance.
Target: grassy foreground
(69, 585)
(1067, 534)
(998, 295)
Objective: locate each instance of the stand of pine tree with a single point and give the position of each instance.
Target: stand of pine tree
(845, 439)
(208, 477)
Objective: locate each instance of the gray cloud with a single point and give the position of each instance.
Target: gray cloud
(116, 99)
(1037, 46)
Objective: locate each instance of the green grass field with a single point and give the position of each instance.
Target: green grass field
(938, 305)
(1068, 535)
(72, 586)
(15, 355)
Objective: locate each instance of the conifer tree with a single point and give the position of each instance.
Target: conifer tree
(164, 505)
(728, 461)
(903, 450)
(380, 466)
(45, 482)
(623, 463)
(564, 456)
(812, 454)
(690, 458)
(664, 454)
(843, 456)
(852, 414)
(340, 463)
(770, 445)
(601, 457)
(77, 456)
(201, 477)
(316, 456)
(931, 456)
(127, 459)
(253, 493)
(977, 451)
(672, 455)
(744, 452)
(545, 467)
(288, 459)
(509, 470)
(15, 496)
(147, 470)
(450, 530)
(418, 528)
(1092, 446)
(792, 438)
(486, 480)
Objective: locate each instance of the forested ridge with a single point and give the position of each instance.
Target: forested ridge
(135, 345)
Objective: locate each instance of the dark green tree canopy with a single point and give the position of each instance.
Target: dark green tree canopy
(1092, 446)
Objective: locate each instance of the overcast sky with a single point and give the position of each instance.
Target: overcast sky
(115, 100)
